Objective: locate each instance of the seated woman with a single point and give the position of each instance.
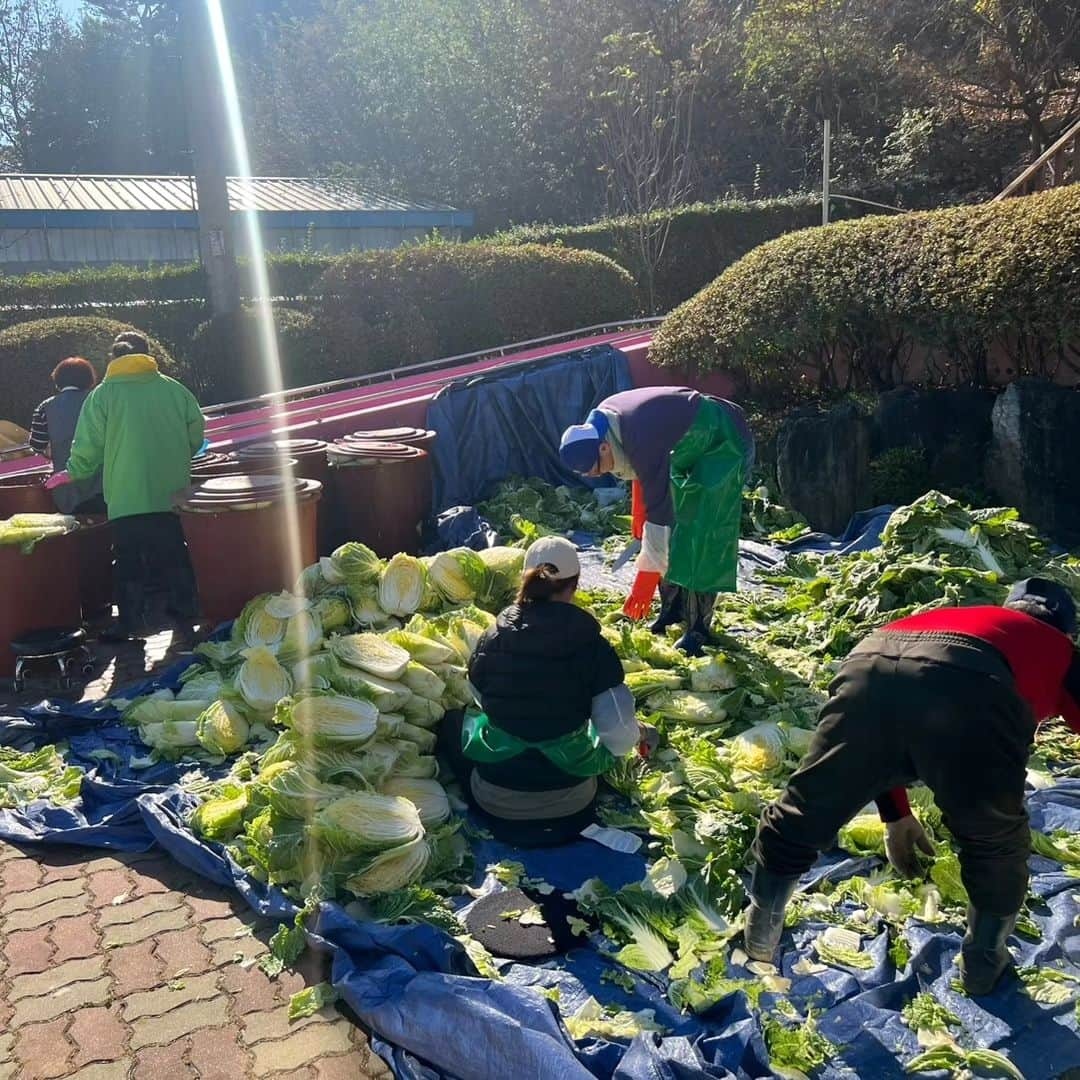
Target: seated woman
(556, 712)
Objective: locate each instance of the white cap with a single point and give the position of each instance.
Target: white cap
(554, 551)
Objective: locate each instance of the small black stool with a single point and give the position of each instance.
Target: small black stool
(64, 645)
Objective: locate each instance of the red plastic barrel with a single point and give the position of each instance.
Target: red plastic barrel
(39, 590)
(410, 436)
(94, 542)
(309, 463)
(213, 464)
(381, 493)
(237, 530)
(25, 494)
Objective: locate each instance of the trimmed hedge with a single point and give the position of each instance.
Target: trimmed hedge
(973, 295)
(704, 239)
(29, 351)
(228, 363)
(386, 309)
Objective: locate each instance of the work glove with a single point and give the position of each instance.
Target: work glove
(648, 740)
(58, 480)
(903, 840)
(641, 595)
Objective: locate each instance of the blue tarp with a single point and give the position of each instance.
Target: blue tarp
(508, 423)
(431, 1019)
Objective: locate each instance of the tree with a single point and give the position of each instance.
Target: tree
(1012, 57)
(645, 111)
(27, 27)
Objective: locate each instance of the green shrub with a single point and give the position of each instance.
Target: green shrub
(30, 350)
(930, 298)
(704, 238)
(386, 309)
(229, 362)
(899, 476)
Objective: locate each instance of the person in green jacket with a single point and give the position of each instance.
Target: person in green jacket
(140, 429)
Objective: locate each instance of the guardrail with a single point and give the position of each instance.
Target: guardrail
(1058, 165)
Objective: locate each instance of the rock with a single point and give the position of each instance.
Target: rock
(1032, 464)
(952, 427)
(823, 465)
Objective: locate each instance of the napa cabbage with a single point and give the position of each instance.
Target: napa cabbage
(221, 729)
(261, 680)
(371, 653)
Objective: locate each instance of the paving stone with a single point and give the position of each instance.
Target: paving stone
(102, 863)
(138, 909)
(66, 1000)
(359, 1063)
(7, 1042)
(44, 894)
(8, 1070)
(112, 1070)
(106, 885)
(133, 967)
(27, 950)
(250, 989)
(10, 851)
(165, 998)
(183, 951)
(217, 1054)
(42, 1050)
(75, 938)
(237, 950)
(56, 978)
(163, 1063)
(216, 906)
(57, 866)
(142, 929)
(275, 1023)
(47, 913)
(160, 1030)
(98, 1035)
(301, 1047)
(229, 927)
(20, 874)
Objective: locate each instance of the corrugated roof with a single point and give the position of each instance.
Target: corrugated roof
(27, 191)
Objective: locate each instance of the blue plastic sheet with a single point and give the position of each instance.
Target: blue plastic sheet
(410, 985)
(508, 423)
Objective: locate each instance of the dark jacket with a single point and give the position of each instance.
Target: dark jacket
(55, 420)
(536, 673)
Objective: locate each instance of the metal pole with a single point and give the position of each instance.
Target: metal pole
(210, 153)
(826, 149)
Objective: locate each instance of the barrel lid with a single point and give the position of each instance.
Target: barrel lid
(378, 451)
(410, 435)
(223, 492)
(271, 447)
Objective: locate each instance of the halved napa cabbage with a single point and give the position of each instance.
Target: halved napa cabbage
(391, 870)
(362, 822)
(423, 682)
(284, 605)
(333, 613)
(423, 711)
(222, 817)
(294, 790)
(758, 751)
(261, 680)
(428, 796)
(386, 696)
(221, 729)
(303, 636)
(371, 653)
(330, 718)
(401, 587)
(200, 685)
(424, 650)
(256, 626)
(355, 564)
(422, 738)
(503, 566)
(458, 574)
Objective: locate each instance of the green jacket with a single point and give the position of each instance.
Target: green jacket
(140, 428)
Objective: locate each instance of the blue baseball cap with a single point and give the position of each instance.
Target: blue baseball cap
(579, 448)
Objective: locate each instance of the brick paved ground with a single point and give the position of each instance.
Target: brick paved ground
(125, 967)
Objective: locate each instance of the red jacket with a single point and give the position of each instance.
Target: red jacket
(1043, 661)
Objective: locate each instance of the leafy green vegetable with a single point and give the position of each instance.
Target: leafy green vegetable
(37, 774)
(801, 1048)
(309, 1001)
(925, 1013)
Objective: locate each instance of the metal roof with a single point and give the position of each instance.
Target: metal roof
(269, 194)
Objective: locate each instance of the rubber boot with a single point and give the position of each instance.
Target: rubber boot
(672, 606)
(691, 643)
(769, 896)
(984, 956)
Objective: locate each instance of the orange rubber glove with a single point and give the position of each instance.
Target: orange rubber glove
(641, 595)
(637, 509)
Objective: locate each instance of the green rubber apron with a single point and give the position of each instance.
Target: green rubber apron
(706, 486)
(579, 753)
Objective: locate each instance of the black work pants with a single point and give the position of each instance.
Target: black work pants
(150, 557)
(932, 707)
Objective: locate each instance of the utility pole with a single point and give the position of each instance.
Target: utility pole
(826, 151)
(208, 131)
